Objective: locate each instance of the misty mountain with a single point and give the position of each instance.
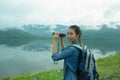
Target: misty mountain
(15, 33)
(104, 38)
(37, 30)
(45, 31)
(61, 28)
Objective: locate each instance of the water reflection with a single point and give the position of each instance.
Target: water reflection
(38, 45)
(104, 45)
(16, 61)
(28, 44)
(98, 53)
(14, 42)
(19, 56)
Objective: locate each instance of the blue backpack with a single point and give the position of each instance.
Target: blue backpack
(87, 66)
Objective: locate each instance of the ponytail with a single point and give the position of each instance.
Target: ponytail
(80, 41)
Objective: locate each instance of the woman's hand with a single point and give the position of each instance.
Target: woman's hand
(56, 36)
(55, 39)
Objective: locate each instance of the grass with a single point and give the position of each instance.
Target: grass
(108, 69)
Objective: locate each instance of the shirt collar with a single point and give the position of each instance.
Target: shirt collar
(76, 42)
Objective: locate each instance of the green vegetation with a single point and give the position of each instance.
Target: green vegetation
(14, 33)
(44, 75)
(108, 68)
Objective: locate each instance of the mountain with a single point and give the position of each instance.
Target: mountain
(61, 28)
(104, 38)
(14, 33)
(45, 31)
(15, 37)
(37, 30)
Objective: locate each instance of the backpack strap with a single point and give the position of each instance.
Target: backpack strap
(81, 60)
(89, 59)
(96, 74)
(78, 46)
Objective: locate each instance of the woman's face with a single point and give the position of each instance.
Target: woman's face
(71, 35)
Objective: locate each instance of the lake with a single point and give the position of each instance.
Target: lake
(19, 57)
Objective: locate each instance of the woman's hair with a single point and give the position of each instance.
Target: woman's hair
(78, 32)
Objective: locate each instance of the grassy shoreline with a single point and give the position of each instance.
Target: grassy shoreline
(108, 69)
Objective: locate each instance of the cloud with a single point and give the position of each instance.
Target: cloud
(113, 12)
(16, 12)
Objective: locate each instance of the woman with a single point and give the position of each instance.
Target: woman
(69, 54)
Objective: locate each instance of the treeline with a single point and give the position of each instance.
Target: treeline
(15, 33)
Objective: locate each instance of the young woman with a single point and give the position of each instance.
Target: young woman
(70, 54)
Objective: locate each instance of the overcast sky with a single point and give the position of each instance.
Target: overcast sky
(18, 12)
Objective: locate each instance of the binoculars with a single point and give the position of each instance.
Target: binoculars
(60, 35)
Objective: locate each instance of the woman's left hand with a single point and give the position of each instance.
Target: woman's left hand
(56, 36)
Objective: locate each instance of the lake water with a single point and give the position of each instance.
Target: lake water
(20, 57)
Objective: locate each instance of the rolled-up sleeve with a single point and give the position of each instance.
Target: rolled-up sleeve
(67, 52)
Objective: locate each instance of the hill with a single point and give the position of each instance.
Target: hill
(14, 33)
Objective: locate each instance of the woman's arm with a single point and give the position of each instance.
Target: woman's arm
(67, 52)
(55, 39)
(62, 43)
